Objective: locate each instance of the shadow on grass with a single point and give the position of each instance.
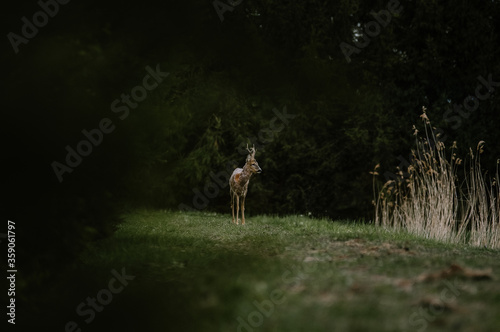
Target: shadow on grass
(179, 284)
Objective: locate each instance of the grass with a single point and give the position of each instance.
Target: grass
(199, 272)
(436, 199)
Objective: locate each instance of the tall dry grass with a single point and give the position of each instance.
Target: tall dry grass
(430, 200)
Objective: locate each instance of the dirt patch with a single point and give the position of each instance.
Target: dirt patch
(456, 270)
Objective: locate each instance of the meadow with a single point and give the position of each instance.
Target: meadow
(195, 271)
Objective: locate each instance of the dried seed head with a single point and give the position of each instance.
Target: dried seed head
(388, 184)
(431, 171)
(480, 146)
(454, 146)
(424, 117)
(415, 130)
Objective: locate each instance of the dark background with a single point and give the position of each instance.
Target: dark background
(225, 78)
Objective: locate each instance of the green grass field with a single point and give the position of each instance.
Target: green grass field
(199, 272)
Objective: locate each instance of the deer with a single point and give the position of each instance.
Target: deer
(238, 183)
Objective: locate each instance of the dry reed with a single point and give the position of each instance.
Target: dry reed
(430, 200)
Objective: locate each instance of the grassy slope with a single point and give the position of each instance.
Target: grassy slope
(198, 272)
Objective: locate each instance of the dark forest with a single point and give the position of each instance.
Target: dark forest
(113, 106)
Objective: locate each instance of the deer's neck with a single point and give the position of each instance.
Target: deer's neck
(246, 174)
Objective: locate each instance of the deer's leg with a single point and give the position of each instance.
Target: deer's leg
(232, 204)
(243, 210)
(237, 208)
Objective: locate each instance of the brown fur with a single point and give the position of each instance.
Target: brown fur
(238, 184)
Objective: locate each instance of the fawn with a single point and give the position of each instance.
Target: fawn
(238, 183)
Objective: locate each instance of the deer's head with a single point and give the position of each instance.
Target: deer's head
(251, 162)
